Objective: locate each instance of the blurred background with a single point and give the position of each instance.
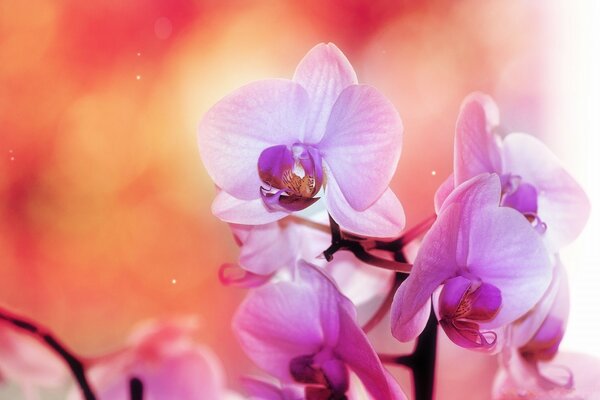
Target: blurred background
(105, 206)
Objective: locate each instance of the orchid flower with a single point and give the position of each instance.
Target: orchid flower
(28, 362)
(487, 262)
(276, 246)
(276, 146)
(534, 340)
(304, 331)
(517, 383)
(163, 356)
(533, 179)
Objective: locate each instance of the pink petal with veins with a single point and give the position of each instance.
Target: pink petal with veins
(362, 144)
(323, 72)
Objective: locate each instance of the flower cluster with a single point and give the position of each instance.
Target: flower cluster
(303, 168)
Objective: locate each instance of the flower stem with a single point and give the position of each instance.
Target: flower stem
(75, 365)
(357, 246)
(421, 361)
(136, 389)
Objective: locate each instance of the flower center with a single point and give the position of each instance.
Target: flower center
(326, 377)
(463, 304)
(523, 197)
(293, 175)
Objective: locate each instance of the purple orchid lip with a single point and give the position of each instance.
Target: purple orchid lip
(294, 176)
(462, 304)
(323, 372)
(523, 197)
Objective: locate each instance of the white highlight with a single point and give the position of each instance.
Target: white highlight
(574, 129)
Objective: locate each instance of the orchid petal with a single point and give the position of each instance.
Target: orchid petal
(248, 212)
(362, 144)
(475, 148)
(525, 328)
(506, 252)
(323, 72)
(266, 249)
(562, 204)
(235, 131)
(284, 320)
(434, 264)
(356, 351)
(443, 192)
(384, 218)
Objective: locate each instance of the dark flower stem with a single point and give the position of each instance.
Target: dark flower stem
(358, 246)
(136, 389)
(421, 361)
(75, 365)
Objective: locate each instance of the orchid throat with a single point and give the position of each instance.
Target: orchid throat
(523, 197)
(293, 176)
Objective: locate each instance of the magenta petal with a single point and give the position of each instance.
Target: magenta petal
(355, 350)
(482, 190)
(323, 72)
(246, 212)
(507, 253)
(434, 264)
(362, 144)
(443, 192)
(235, 131)
(385, 218)
(562, 203)
(523, 199)
(475, 148)
(281, 321)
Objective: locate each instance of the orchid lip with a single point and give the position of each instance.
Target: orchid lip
(463, 303)
(523, 197)
(293, 176)
(323, 372)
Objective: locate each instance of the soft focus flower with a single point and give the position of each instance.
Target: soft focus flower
(490, 264)
(272, 145)
(170, 365)
(28, 362)
(533, 179)
(508, 385)
(534, 340)
(277, 246)
(305, 331)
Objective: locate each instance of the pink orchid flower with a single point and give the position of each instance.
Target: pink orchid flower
(534, 340)
(276, 247)
(274, 146)
(533, 179)
(163, 356)
(517, 384)
(29, 363)
(487, 262)
(304, 331)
